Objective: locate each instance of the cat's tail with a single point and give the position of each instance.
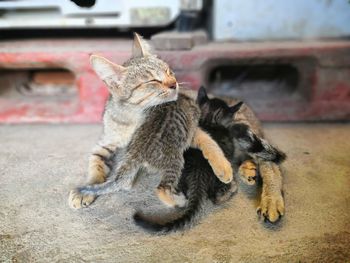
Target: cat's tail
(99, 189)
(196, 194)
(254, 145)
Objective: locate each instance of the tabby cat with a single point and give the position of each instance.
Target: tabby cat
(197, 181)
(149, 125)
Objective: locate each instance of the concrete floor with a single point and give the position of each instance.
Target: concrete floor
(40, 163)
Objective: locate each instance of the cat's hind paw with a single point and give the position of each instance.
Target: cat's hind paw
(248, 172)
(171, 198)
(77, 200)
(271, 207)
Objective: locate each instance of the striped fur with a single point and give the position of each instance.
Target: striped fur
(158, 144)
(146, 121)
(197, 183)
(142, 82)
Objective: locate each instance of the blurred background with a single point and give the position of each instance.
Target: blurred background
(288, 59)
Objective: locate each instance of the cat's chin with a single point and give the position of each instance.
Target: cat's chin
(174, 96)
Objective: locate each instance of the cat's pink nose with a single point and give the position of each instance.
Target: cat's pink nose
(172, 85)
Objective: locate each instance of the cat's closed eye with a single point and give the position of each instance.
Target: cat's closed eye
(154, 80)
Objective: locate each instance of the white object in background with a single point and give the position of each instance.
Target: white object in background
(104, 14)
(271, 19)
(191, 5)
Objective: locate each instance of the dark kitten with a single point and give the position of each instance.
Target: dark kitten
(217, 111)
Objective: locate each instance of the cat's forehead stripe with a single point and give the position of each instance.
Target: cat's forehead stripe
(148, 68)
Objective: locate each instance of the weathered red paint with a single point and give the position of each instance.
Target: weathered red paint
(340, 92)
(327, 97)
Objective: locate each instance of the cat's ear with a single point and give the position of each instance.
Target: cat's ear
(236, 107)
(140, 47)
(109, 72)
(202, 96)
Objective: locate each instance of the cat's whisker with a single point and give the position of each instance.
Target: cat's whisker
(184, 84)
(185, 87)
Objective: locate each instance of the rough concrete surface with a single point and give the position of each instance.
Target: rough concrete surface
(40, 163)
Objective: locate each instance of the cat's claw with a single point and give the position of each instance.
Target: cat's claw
(271, 207)
(248, 172)
(77, 200)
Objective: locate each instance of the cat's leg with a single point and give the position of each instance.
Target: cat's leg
(213, 153)
(98, 169)
(272, 203)
(247, 171)
(123, 180)
(166, 189)
(127, 173)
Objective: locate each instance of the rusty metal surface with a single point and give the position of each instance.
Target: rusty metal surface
(327, 80)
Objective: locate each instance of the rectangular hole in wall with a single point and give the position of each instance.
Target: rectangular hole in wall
(37, 83)
(254, 82)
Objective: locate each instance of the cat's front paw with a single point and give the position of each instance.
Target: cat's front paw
(77, 200)
(170, 197)
(248, 172)
(223, 170)
(271, 207)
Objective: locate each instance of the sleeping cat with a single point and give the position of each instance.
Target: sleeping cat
(197, 181)
(150, 124)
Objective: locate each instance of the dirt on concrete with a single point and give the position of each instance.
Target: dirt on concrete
(39, 164)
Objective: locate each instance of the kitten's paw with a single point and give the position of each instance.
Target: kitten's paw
(271, 207)
(225, 194)
(223, 170)
(170, 198)
(248, 172)
(77, 200)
